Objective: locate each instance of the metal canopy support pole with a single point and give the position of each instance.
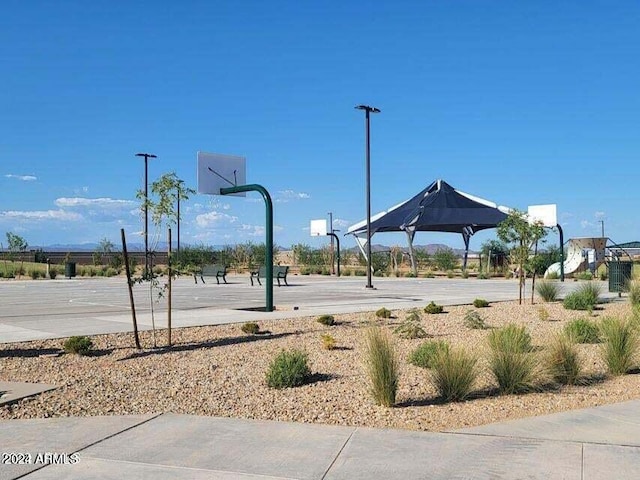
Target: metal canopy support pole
(269, 234)
(412, 255)
(561, 252)
(466, 239)
(333, 235)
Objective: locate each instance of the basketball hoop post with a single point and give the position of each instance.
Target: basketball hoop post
(269, 234)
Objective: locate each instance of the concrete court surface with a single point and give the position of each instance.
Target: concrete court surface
(600, 443)
(86, 306)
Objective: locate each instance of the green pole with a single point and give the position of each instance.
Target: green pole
(269, 234)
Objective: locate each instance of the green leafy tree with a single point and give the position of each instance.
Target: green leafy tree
(445, 259)
(495, 251)
(103, 252)
(17, 248)
(521, 236)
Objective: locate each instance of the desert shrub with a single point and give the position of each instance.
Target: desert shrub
(110, 272)
(383, 313)
(483, 276)
(288, 369)
(465, 274)
(34, 274)
(510, 339)
(563, 360)
(514, 372)
(454, 373)
(480, 303)
(432, 308)
(80, 345)
(450, 274)
(382, 366)
(250, 328)
(543, 314)
(424, 354)
(620, 346)
(53, 273)
(552, 276)
(634, 292)
(359, 272)
(584, 276)
(326, 320)
(547, 290)
(157, 270)
(473, 319)
(328, 341)
(429, 274)
(583, 330)
(410, 327)
(508, 274)
(585, 297)
(410, 275)
(603, 275)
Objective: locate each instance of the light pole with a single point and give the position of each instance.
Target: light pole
(146, 156)
(368, 110)
(178, 219)
(333, 270)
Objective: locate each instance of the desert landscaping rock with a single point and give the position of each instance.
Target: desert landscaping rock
(220, 371)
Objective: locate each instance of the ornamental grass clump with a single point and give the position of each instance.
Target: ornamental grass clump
(288, 369)
(510, 338)
(583, 330)
(454, 373)
(511, 362)
(585, 297)
(634, 292)
(382, 366)
(620, 345)
(563, 360)
(547, 290)
(423, 356)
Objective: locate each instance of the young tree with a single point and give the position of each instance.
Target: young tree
(169, 191)
(17, 245)
(521, 236)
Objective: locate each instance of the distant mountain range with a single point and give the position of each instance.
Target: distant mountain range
(430, 248)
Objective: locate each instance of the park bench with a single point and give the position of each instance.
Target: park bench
(279, 273)
(215, 270)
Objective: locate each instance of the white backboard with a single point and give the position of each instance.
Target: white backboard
(318, 228)
(543, 213)
(216, 171)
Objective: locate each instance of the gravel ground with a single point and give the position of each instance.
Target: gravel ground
(220, 371)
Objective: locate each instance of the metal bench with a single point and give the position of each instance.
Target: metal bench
(279, 273)
(218, 271)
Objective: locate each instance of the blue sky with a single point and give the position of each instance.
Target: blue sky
(522, 103)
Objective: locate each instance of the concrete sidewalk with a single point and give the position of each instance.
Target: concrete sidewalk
(591, 444)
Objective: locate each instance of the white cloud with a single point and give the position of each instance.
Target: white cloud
(24, 178)
(41, 215)
(599, 215)
(110, 203)
(253, 230)
(339, 222)
(586, 224)
(207, 219)
(285, 196)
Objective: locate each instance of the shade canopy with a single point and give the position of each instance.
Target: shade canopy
(437, 208)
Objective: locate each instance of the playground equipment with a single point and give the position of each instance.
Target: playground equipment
(582, 254)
